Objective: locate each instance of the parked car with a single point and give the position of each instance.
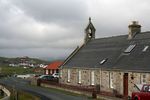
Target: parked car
(37, 75)
(46, 77)
(23, 76)
(143, 94)
(56, 75)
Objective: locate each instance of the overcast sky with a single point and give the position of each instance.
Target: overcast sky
(53, 28)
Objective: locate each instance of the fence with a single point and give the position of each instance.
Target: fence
(94, 90)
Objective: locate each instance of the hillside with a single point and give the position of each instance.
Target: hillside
(17, 60)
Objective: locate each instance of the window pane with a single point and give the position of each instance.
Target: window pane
(143, 78)
(92, 78)
(79, 76)
(68, 75)
(103, 61)
(60, 73)
(129, 49)
(111, 80)
(47, 71)
(145, 48)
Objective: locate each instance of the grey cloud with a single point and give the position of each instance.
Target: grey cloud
(23, 44)
(21, 34)
(62, 11)
(42, 53)
(113, 18)
(55, 27)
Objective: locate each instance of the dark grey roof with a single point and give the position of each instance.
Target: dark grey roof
(112, 49)
(137, 60)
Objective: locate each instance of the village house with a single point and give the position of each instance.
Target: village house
(53, 67)
(113, 63)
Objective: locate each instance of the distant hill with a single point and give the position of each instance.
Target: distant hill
(53, 59)
(6, 61)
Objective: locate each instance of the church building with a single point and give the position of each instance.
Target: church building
(113, 63)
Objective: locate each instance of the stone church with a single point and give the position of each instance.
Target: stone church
(113, 63)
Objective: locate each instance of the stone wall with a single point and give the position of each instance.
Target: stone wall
(109, 81)
(105, 81)
(85, 77)
(6, 91)
(97, 77)
(116, 82)
(100, 78)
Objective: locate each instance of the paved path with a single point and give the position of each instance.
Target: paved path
(43, 93)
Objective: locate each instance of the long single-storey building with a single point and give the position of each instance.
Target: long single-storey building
(114, 63)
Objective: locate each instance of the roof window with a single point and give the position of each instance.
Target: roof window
(103, 61)
(145, 48)
(130, 48)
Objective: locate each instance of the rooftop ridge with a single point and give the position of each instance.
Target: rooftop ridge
(122, 35)
(110, 37)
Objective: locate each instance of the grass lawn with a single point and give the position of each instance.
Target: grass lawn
(69, 93)
(23, 96)
(73, 94)
(26, 96)
(1, 97)
(15, 70)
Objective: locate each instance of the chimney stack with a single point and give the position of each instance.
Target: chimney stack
(134, 28)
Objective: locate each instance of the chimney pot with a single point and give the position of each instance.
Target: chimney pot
(134, 28)
(135, 23)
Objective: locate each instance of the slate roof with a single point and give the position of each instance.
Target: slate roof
(137, 60)
(112, 49)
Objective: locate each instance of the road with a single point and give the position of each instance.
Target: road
(43, 93)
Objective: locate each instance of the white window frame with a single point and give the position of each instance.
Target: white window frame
(92, 78)
(68, 75)
(60, 74)
(55, 71)
(142, 79)
(145, 48)
(47, 71)
(111, 80)
(130, 48)
(79, 77)
(51, 71)
(103, 61)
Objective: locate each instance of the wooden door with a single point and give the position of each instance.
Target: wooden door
(125, 84)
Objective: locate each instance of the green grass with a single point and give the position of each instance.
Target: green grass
(69, 93)
(22, 96)
(27, 96)
(1, 97)
(15, 70)
(72, 94)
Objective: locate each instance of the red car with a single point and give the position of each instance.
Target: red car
(143, 94)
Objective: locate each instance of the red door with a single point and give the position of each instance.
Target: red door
(125, 84)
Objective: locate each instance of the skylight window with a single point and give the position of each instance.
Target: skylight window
(130, 48)
(145, 48)
(103, 61)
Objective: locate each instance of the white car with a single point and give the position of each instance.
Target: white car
(56, 75)
(23, 76)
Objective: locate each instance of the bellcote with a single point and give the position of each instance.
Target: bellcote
(89, 32)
